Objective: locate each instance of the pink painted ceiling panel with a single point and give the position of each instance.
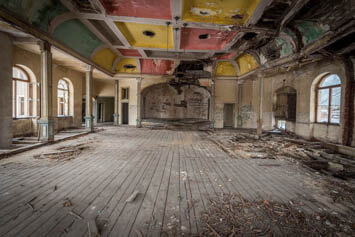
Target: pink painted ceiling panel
(130, 52)
(216, 39)
(156, 9)
(158, 67)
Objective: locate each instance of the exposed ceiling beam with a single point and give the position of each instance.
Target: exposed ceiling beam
(347, 49)
(177, 12)
(295, 7)
(258, 12)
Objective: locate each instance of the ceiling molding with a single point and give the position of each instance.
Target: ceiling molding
(59, 20)
(117, 32)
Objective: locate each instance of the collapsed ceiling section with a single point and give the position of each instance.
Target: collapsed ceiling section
(156, 36)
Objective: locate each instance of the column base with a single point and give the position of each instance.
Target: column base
(212, 124)
(139, 123)
(116, 119)
(89, 123)
(46, 129)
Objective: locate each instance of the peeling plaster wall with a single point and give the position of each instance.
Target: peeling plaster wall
(225, 93)
(162, 101)
(32, 61)
(303, 80)
(130, 83)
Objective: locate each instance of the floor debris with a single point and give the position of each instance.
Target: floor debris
(133, 196)
(232, 215)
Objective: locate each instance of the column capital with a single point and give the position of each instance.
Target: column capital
(88, 68)
(44, 46)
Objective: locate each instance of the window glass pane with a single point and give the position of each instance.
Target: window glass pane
(17, 73)
(13, 99)
(335, 106)
(22, 98)
(330, 80)
(323, 106)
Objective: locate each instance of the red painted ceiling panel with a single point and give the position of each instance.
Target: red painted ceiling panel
(159, 67)
(157, 9)
(226, 56)
(216, 39)
(130, 52)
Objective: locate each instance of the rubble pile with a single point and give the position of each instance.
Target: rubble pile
(281, 145)
(232, 215)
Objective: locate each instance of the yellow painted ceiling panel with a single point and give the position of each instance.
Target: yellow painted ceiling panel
(219, 11)
(246, 63)
(135, 36)
(105, 58)
(225, 68)
(127, 61)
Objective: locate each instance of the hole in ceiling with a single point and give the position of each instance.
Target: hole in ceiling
(129, 66)
(250, 36)
(204, 36)
(237, 17)
(204, 13)
(148, 33)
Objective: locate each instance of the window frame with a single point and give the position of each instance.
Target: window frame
(127, 93)
(66, 109)
(15, 102)
(330, 88)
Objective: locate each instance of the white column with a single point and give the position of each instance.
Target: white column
(116, 115)
(6, 92)
(260, 110)
(212, 105)
(46, 122)
(89, 123)
(139, 102)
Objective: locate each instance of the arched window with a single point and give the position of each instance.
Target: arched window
(63, 98)
(20, 93)
(328, 100)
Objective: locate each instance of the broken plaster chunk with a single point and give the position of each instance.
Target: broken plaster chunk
(335, 167)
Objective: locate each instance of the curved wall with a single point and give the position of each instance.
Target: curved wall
(162, 101)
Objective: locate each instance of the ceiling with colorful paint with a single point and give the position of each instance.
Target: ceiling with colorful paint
(155, 36)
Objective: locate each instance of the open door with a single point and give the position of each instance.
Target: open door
(228, 115)
(124, 113)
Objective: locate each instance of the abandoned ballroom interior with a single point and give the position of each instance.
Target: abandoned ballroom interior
(177, 117)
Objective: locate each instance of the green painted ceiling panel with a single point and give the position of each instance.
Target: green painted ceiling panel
(75, 35)
(38, 13)
(311, 31)
(286, 47)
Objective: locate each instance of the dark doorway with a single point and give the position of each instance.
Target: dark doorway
(228, 115)
(124, 113)
(100, 113)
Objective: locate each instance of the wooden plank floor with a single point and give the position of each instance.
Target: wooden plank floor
(175, 172)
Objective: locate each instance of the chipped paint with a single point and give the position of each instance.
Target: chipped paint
(225, 69)
(217, 11)
(75, 35)
(157, 9)
(105, 58)
(130, 52)
(134, 34)
(285, 47)
(246, 63)
(311, 31)
(38, 13)
(156, 66)
(217, 39)
(126, 61)
(226, 56)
